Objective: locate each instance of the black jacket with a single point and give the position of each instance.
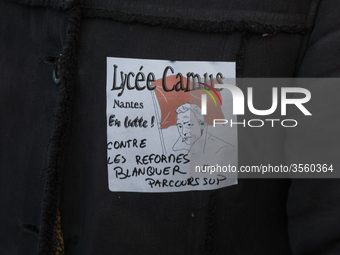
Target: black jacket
(53, 136)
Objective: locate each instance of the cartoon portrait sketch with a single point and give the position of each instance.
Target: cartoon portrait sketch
(192, 130)
(181, 126)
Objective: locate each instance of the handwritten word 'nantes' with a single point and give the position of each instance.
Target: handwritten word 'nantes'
(140, 81)
(130, 105)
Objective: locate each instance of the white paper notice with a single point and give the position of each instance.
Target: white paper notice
(160, 126)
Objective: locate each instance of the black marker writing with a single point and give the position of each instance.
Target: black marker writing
(131, 143)
(161, 158)
(113, 121)
(118, 159)
(148, 171)
(130, 105)
(136, 122)
(212, 181)
(172, 183)
(126, 81)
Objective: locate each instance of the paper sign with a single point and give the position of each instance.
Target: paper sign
(160, 125)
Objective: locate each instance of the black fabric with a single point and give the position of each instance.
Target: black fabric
(68, 65)
(319, 232)
(27, 98)
(213, 229)
(257, 216)
(281, 13)
(56, 4)
(320, 60)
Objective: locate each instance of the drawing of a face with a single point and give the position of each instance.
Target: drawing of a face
(189, 128)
